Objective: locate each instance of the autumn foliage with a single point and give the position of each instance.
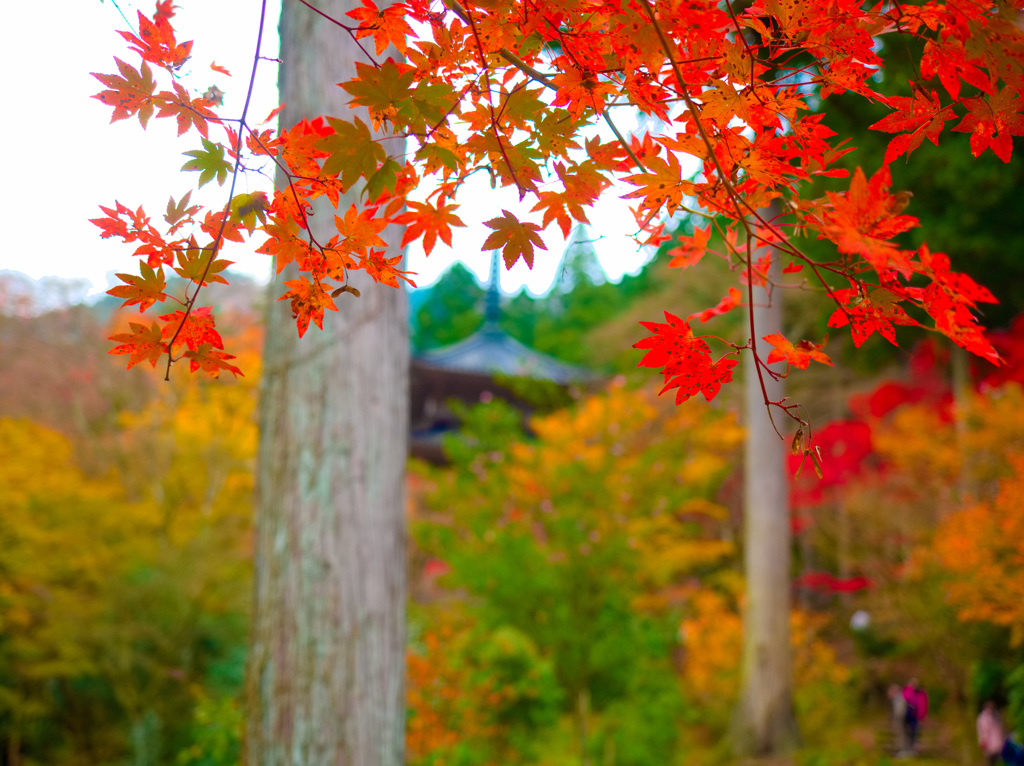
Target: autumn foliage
(731, 98)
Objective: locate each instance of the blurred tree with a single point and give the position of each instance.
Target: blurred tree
(452, 310)
(475, 695)
(123, 594)
(982, 548)
(611, 502)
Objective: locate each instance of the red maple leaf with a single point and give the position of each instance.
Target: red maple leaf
(690, 250)
(993, 122)
(869, 313)
(727, 304)
(799, 355)
(686, 359)
(142, 344)
(921, 116)
(863, 220)
(155, 41)
(198, 328)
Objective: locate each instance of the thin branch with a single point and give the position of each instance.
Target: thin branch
(218, 241)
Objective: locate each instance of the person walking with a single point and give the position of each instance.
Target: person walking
(991, 732)
(899, 712)
(917, 711)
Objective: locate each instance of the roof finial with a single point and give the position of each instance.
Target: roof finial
(492, 308)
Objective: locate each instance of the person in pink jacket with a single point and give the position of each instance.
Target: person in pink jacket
(917, 711)
(991, 732)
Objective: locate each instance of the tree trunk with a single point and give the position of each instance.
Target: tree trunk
(327, 660)
(764, 722)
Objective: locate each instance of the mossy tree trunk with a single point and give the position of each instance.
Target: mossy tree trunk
(327, 660)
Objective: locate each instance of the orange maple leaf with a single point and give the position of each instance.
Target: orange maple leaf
(661, 185)
(360, 230)
(579, 90)
(129, 94)
(189, 112)
(143, 289)
(142, 344)
(424, 220)
(210, 359)
(799, 355)
(193, 330)
(388, 27)
(690, 250)
(385, 270)
(309, 299)
(515, 239)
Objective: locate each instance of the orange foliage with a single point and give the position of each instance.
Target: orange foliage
(982, 547)
(466, 96)
(445, 710)
(712, 637)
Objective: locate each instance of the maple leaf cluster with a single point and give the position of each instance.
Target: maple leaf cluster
(515, 88)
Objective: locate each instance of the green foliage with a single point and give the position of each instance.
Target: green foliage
(602, 523)
(556, 323)
(209, 162)
(215, 734)
(642, 727)
(1015, 699)
(451, 309)
(124, 590)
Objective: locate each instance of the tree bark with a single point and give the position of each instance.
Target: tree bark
(764, 722)
(327, 660)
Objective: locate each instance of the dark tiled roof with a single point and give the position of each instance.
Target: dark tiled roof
(490, 351)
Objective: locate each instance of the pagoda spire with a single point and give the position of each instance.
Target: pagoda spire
(492, 307)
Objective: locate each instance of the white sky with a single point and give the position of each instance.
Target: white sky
(64, 157)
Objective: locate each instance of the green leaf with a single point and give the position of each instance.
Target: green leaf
(353, 151)
(385, 178)
(436, 157)
(209, 162)
(246, 209)
(428, 105)
(192, 264)
(381, 88)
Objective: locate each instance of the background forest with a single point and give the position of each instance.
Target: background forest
(576, 584)
(576, 581)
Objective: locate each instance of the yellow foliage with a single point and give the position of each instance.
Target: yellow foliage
(712, 638)
(934, 451)
(983, 548)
